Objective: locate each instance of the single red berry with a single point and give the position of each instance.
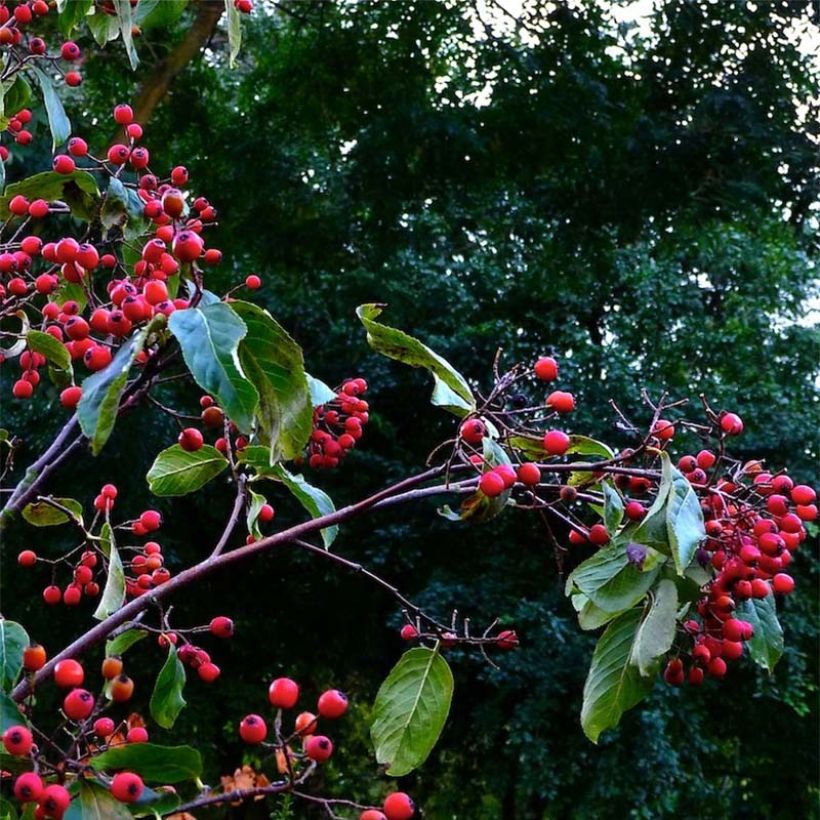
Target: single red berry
(546, 369)
(70, 51)
(34, 657)
(409, 632)
(491, 484)
(529, 474)
(561, 402)
(123, 114)
(78, 704)
(472, 431)
(803, 495)
(673, 674)
(28, 788)
(190, 439)
(27, 558)
(635, 511)
(54, 801)
(151, 520)
(507, 639)
(137, 734)
(22, 389)
(731, 424)
(253, 282)
(104, 727)
(372, 814)
(556, 442)
(598, 534)
(319, 748)
(266, 513)
(782, 583)
(208, 672)
(332, 704)
(716, 667)
(17, 740)
(398, 806)
(222, 627)
(127, 787)
(663, 429)
(52, 595)
(70, 397)
(283, 693)
(68, 674)
(253, 729)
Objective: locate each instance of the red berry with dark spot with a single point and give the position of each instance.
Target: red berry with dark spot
(332, 704)
(253, 729)
(127, 787)
(319, 748)
(17, 740)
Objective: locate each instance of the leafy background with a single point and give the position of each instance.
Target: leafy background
(642, 200)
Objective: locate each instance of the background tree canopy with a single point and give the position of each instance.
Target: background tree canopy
(642, 197)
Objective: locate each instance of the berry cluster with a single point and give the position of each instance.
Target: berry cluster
(338, 425)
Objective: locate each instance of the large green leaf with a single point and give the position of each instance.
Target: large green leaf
(411, 709)
(766, 645)
(166, 700)
(178, 472)
(657, 630)
(158, 764)
(684, 518)
(611, 581)
(113, 594)
(209, 336)
(78, 190)
(274, 363)
(317, 502)
(613, 684)
(98, 407)
(13, 640)
(451, 390)
(58, 122)
(55, 351)
(43, 514)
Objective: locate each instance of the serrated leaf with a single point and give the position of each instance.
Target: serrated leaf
(657, 630)
(113, 594)
(176, 471)
(98, 407)
(159, 764)
(610, 581)
(274, 363)
(58, 122)
(320, 393)
(209, 336)
(766, 645)
(451, 390)
(13, 641)
(124, 641)
(317, 502)
(613, 684)
(166, 700)
(43, 514)
(411, 709)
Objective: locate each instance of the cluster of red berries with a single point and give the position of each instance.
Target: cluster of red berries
(338, 425)
(17, 129)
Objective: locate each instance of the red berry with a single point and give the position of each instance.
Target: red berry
(208, 672)
(54, 801)
(635, 511)
(17, 740)
(266, 513)
(28, 787)
(68, 674)
(731, 424)
(34, 657)
(253, 729)
(63, 164)
(372, 814)
(27, 558)
(546, 369)
(561, 402)
(52, 595)
(137, 734)
(70, 397)
(673, 674)
(398, 806)
(507, 639)
(70, 51)
(556, 442)
(319, 748)
(190, 439)
(472, 431)
(598, 534)
(283, 693)
(409, 632)
(23, 389)
(253, 282)
(123, 114)
(803, 495)
(663, 429)
(782, 583)
(127, 787)
(104, 727)
(716, 667)
(222, 627)
(78, 704)
(491, 484)
(529, 474)
(151, 520)
(332, 704)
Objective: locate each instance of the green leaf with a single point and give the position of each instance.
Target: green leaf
(613, 684)
(17, 95)
(72, 14)
(766, 645)
(124, 15)
(317, 502)
(123, 642)
(78, 190)
(54, 351)
(123, 207)
(274, 363)
(258, 459)
(613, 507)
(684, 518)
(234, 31)
(10, 715)
(657, 630)
(257, 502)
(154, 802)
(42, 514)
(591, 616)
(113, 594)
(610, 581)
(95, 802)
(209, 336)
(411, 709)
(320, 393)
(58, 122)
(98, 407)
(451, 390)
(70, 291)
(478, 507)
(104, 27)
(585, 446)
(7, 810)
(158, 13)
(159, 764)
(178, 472)
(13, 640)
(166, 700)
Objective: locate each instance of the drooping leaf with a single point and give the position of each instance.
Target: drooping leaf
(176, 471)
(411, 709)
(613, 507)
(209, 336)
(58, 122)
(98, 407)
(317, 502)
(657, 630)
(613, 684)
(274, 363)
(78, 190)
(166, 700)
(124, 641)
(451, 390)
(54, 351)
(234, 31)
(125, 16)
(766, 645)
(43, 514)
(320, 393)
(684, 518)
(13, 640)
(611, 581)
(160, 764)
(113, 594)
